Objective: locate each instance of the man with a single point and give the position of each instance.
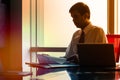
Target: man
(80, 13)
(81, 17)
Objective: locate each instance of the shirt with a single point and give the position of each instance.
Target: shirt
(93, 34)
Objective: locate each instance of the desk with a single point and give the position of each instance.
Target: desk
(68, 73)
(63, 74)
(75, 74)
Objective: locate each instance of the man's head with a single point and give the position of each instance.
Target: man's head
(80, 13)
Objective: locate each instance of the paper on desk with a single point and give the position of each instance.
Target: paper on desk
(58, 60)
(49, 59)
(60, 75)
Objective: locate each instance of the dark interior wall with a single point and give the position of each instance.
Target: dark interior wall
(4, 8)
(4, 50)
(11, 52)
(16, 35)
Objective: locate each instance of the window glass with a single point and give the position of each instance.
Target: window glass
(47, 23)
(118, 17)
(55, 26)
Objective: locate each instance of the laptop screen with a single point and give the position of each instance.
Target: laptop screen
(97, 55)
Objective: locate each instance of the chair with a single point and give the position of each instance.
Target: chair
(115, 40)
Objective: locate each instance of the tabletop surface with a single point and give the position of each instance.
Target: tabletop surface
(71, 73)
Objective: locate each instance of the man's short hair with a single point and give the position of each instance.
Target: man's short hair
(81, 8)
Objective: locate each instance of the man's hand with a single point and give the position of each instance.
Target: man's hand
(73, 59)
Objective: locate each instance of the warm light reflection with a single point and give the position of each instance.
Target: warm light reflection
(60, 75)
(25, 33)
(116, 16)
(119, 17)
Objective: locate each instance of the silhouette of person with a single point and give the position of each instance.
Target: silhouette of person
(80, 13)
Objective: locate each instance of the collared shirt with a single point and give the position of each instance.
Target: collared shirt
(93, 35)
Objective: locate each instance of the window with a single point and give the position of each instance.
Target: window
(117, 16)
(54, 26)
(54, 23)
(47, 23)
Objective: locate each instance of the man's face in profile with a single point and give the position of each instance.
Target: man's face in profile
(78, 19)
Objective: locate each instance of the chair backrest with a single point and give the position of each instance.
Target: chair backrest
(115, 40)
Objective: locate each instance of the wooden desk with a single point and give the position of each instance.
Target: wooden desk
(69, 73)
(75, 73)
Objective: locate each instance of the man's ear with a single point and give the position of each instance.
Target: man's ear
(85, 16)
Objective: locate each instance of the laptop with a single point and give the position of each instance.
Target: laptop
(96, 55)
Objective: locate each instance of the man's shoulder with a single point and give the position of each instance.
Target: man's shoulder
(77, 32)
(93, 27)
(98, 28)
